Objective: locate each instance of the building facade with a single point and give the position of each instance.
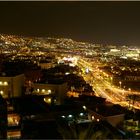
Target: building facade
(11, 86)
(57, 90)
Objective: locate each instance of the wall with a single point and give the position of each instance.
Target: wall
(14, 87)
(59, 90)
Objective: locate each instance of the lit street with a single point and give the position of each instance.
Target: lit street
(103, 88)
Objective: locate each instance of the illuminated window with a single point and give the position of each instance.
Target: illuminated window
(98, 120)
(49, 91)
(38, 90)
(47, 100)
(43, 90)
(5, 83)
(1, 92)
(13, 119)
(14, 134)
(92, 117)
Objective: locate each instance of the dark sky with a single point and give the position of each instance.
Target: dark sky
(100, 22)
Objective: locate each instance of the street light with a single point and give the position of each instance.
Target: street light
(123, 91)
(111, 79)
(120, 83)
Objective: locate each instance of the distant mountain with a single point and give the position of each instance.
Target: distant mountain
(17, 42)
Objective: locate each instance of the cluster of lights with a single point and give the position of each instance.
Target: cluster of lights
(44, 91)
(13, 119)
(47, 100)
(93, 118)
(3, 83)
(71, 116)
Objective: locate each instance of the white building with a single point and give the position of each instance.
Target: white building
(11, 85)
(58, 90)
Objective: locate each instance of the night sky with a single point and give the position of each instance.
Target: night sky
(115, 23)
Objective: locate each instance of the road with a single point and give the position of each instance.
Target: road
(104, 88)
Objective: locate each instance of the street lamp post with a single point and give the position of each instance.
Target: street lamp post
(120, 83)
(123, 91)
(111, 79)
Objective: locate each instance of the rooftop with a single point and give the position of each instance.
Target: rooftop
(105, 110)
(10, 73)
(51, 81)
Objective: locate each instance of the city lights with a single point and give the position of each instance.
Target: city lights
(83, 87)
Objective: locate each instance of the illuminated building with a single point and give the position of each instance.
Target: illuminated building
(59, 90)
(46, 65)
(13, 125)
(11, 85)
(114, 118)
